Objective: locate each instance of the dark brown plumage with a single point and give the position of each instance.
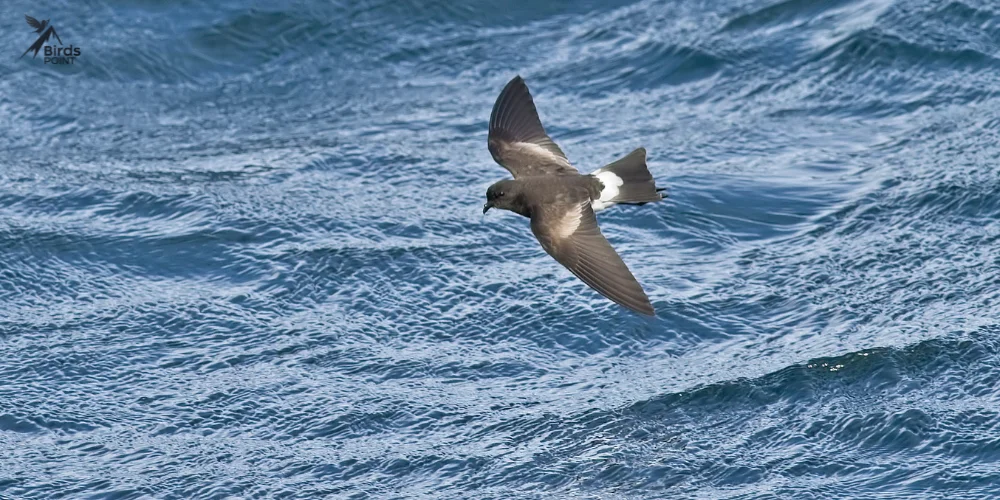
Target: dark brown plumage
(560, 201)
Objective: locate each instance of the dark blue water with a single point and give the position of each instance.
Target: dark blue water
(242, 253)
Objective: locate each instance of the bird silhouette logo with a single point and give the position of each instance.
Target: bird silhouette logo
(46, 31)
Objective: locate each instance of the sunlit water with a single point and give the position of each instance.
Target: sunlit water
(242, 252)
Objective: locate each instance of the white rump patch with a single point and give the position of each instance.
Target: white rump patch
(611, 184)
(569, 223)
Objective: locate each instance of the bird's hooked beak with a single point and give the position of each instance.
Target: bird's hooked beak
(487, 207)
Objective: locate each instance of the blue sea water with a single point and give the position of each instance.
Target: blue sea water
(242, 253)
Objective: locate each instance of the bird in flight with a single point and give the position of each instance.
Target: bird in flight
(46, 30)
(560, 201)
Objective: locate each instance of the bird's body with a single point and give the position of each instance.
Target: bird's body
(546, 190)
(560, 201)
(40, 26)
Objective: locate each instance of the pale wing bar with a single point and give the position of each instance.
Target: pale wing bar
(588, 255)
(517, 139)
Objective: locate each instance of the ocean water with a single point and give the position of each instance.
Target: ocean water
(242, 253)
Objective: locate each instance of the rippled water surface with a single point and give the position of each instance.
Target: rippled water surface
(242, 252)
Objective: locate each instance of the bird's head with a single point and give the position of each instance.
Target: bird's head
(505, 194)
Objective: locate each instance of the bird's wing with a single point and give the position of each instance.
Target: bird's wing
(32, 22)
(569, 233)
(518, 141)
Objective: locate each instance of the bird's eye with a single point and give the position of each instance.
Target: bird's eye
(499, 194)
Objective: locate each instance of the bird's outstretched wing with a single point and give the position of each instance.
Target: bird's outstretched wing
(569, 233)
(518, 141)
(32, 22)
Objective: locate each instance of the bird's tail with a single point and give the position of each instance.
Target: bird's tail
(627, 181)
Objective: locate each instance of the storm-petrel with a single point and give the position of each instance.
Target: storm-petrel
(560, 201)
